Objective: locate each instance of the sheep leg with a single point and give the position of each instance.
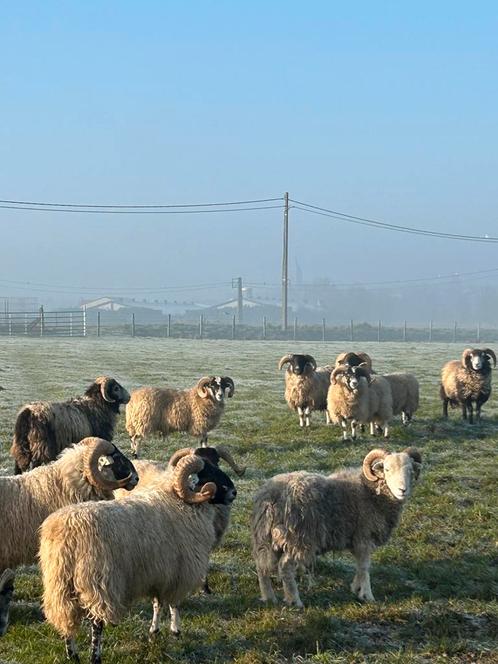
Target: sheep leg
(372, 429)
(266, 588)
(344, 426)
(471, 411)
(174, 626)
(301, 418)
(72, 650)
(385, 429)
(464, 412)
(156, 613)
(445, 408)
(203, 440)
(287, 571)
(135, 446)
(307, 412)
(205, 586)
(327, 418)
(354, 424)
(360, 585)
(96, 652)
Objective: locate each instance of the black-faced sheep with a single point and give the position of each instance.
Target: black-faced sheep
(164, 410)
(297, 516)
(306, 385)
(155, 543)
(44, 428)
(359, 397)
(354, 359)
(467, 382)
(89, 471)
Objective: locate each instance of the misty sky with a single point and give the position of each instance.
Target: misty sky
(375, 109)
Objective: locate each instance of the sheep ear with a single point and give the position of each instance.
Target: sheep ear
(491, 354)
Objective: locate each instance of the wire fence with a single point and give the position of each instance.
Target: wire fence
(41, 323)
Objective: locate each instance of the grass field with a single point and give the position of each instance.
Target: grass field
(435, 582)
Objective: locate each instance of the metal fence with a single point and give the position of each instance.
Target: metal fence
(43, 323)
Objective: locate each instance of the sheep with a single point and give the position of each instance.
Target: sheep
(155, 543)
(354, 359)
(358, 397)
(298, 515)
(306, 386)
(405, 393)
(468, 381)
(89, 471)
(163, 410)
(43, 429)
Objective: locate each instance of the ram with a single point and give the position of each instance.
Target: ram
(44, 428)
(354, 359)
(467, 382)
(306, 385)
(163, 410)
(89, 471)
(297, 516)
(156, 543)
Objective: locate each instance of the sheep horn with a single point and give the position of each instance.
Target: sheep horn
(465, 357)
(231, 385)
(99, 447)
(363, 370)
(285, 360)
(179, 454)
(311, 360)
(372, 456)
(338, 370)
(105, 384)
(187, 466)
(201, 386)
(225, 454)
(491, 354)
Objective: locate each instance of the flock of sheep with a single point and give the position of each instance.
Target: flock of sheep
(108, 532)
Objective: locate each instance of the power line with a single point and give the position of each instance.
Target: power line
(365, 221)
(171, 205)
(72, 290)
(157, 211)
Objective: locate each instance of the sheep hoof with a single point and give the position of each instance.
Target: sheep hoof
(175, 633)
(365, 596)
(153, 633)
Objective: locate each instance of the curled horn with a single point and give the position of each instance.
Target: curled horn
(179, 454)
(466, 357)
(231, 385)
(373, 455)
(363, 370)
(105, 384)
(202, 384)
(186, 466)
(338, 370)
(285, 360)
(226, 455)
(98, 447)
(311, 360)
(491, 354)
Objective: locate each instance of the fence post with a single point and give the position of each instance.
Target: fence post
(233, 326)
(168, 329)
(70, 323)
(404, 330)
(84, 321)
(379, 327)
(42, 321)
(26, 324)
(133, 325)
(98, 323)
(201, 326)
(323, 329)
(478, 333)
(351, 325)
(264, 327)
(10, 324)
(430, 330)
(295, 328)
(454, 332)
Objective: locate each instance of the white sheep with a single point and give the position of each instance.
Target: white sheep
(156, 543)
(297, 516)
(89, 471)
(164, 410)
(405, 393)
(306, 385)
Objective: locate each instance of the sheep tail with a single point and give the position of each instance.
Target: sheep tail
(60, 600)
(34, 441)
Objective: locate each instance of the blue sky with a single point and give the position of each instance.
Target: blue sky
(385, 109)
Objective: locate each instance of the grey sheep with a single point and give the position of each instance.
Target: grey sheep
(297, 516)
(405, 393)
(467, 382)
(358, 397)
(89, 471)
(154, 543)
(164, 410)
(306, 385)
(44, 428)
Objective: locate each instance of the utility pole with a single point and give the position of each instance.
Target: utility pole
(237, 283)
(285, 262)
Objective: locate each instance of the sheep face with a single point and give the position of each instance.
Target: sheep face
(299, 365)
(478, 360)
(399, 471)
(110, 390)
(225, 489)
(216, 387)
(350, 376)
(116, 466)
